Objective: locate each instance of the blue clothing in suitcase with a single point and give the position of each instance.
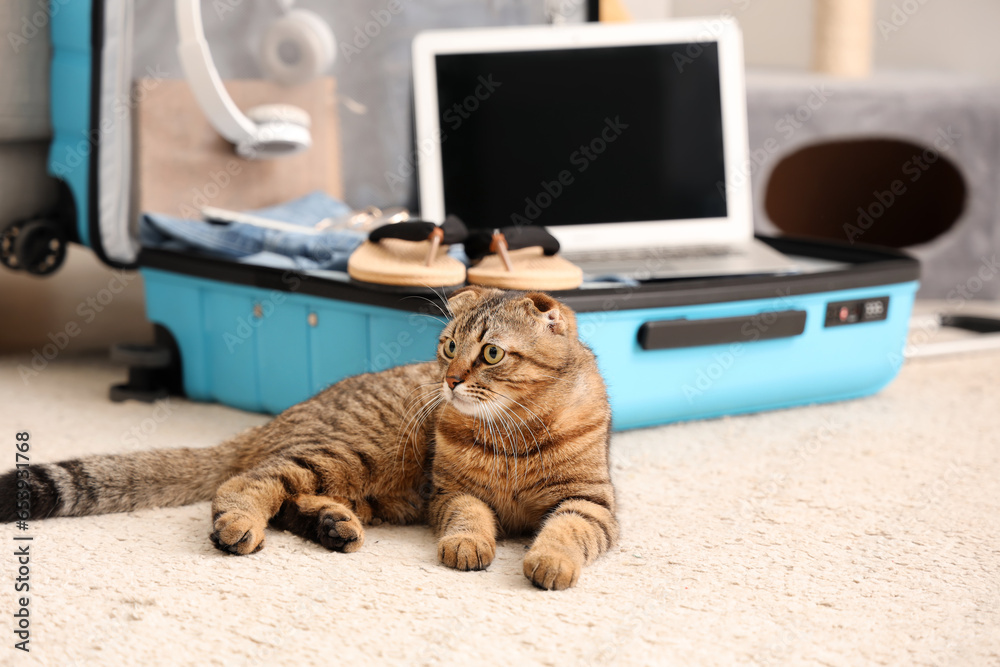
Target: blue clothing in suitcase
(244, 242)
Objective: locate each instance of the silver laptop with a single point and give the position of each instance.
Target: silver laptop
(627, 142)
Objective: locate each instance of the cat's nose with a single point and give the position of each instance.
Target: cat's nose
(453, 381)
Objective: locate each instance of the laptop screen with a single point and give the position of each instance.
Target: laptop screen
(582, 136)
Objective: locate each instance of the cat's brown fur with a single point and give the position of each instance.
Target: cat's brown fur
(479, 450)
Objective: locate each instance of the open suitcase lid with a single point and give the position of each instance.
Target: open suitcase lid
(101, 47)
(840, 266)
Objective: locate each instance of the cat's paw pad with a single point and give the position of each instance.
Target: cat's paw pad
(340, 530)
(237, 533)
(551, 569)
(466, 551)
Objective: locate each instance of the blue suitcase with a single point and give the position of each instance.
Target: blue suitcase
(263, 339)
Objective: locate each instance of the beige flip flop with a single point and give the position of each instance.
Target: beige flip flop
(521, 258)
(410, 254)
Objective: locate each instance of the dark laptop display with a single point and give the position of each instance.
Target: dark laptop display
(588, 135)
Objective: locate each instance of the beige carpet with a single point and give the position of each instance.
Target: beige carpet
(865, 532)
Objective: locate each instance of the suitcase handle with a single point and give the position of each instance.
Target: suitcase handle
(673, 334)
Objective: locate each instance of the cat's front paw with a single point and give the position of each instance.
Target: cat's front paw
(552, 568)
(467, 551)
(340, 530)
(237, 533)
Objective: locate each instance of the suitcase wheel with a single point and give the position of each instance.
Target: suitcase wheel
(120, 393)
(8, 237)
(149, 372)
(37, 246)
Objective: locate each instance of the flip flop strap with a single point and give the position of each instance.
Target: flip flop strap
(479, 243)
(452, 230)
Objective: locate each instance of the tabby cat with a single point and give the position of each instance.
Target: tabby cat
(506, 433)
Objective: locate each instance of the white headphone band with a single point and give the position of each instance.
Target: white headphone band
(196, 60)
(276, 134)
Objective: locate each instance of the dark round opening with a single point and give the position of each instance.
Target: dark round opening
(879, 191)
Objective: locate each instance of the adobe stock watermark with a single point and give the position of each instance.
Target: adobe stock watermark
(137, 436)
(755, 505)
(246, 326)
(121, 108)
(581, 159)
(921, 506)
(35, 23)
(786, 127)
(390, 352)
(460, 112)
(455, 116)
(560, 11)
(966, 291)
(217, 181)
(618, 301)
(900, 15)
(751, 331)
(617, 638)
(89, 310)
(775, 651)
(364, 34)
(913, 169)
(713, 28)
(957, 298)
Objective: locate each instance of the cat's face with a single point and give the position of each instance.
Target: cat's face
(504, 350)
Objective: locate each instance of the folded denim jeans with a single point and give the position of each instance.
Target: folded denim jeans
(240, 241)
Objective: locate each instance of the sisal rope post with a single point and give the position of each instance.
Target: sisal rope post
(843, 37)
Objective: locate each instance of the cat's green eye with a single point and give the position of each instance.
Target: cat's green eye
(449, 347)
(492, 354)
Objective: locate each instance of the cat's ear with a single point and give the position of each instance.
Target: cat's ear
(557, 317)
(467, 297)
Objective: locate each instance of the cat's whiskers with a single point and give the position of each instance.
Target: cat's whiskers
(418, 402)
(430, 409)
(426, 391)
(530, 430)
(503, 424)
(422, 406)
(409, 401)
(538, 446)
(494, 437)
(530, 412)
(506, 413)
(444, 322)
(481, 418)
(528, 400)
(444, 299)
(413, 408)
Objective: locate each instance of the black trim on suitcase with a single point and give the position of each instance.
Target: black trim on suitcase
(870, 267)
(93, 178)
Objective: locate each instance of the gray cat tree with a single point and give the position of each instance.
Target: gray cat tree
(950, 118)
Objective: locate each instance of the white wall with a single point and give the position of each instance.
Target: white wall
(649, 10)
(956, 35)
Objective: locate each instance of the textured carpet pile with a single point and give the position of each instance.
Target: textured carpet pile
(865, 532)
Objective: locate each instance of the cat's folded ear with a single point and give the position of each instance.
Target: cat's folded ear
(468, 297)
(555, 316)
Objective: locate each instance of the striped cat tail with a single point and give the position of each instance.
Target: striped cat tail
(121, 482)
